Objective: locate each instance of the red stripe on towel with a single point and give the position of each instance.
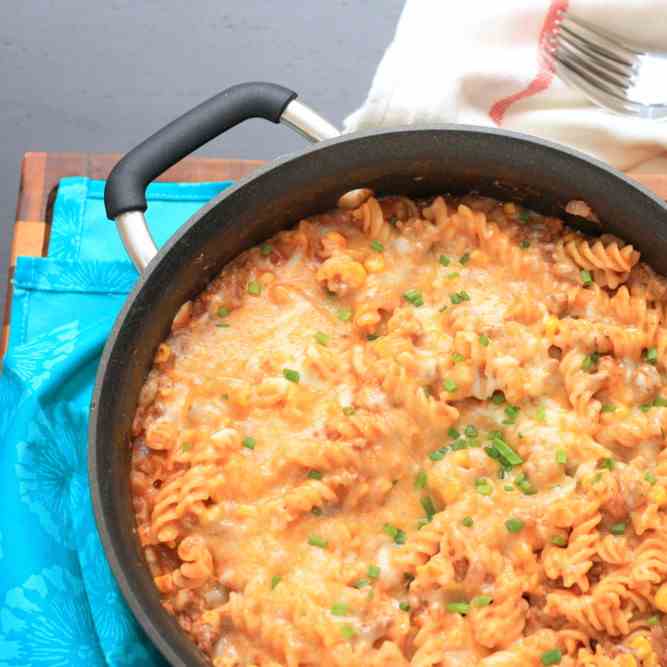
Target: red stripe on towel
(544, 75)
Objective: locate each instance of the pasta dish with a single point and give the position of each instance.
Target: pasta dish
(413, 432)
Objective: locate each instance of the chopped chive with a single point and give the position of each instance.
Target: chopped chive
(465, 258)
(223, 312)
(404, 606)
(275, 580)
(186, 447)
(468, 521)
(470, 431)
(347, 631)
(481, 601)
(617, 528)
(483, 486)
(561, 456)
(586, 278)
(450, 385)
(458, 608)
(453, 433)
(559, 540)
(314, 474)
(511, 412)
(650, 478)
(459, 297)
(322, 338)
(659, 402)
(249, 443)
(344, 314)
(541, 414)
(340, 609)
(459, 444)
(456, 357)
(291, 375)
(438, 454)
(428, 506)
(348, 410)
(373, 571)
(645, 407)
(511, 457)
(422, 521)
(596, 478)
(316, 511)
(317, 541)
(254, 288)
(377, 246)
(607, 463)
(265, 249)
(498, 397)
(444, 260)
(420, 480)
(393, 221)
(222, 325)
(372, 337)
(492, 453)
(551, 657)
(361, 583)
(524, 216)
(608, 407)
(395, 533)
(653, 620)
(514, 525)
(651, 355)
(523, 484)
(225, 397)
(589, 361)
(524, 244)
(414, 297)
(484, 340)
(453, 275)
(508, 487)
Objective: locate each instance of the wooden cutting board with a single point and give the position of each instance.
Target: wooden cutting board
(41, 172)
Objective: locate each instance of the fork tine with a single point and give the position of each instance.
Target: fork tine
(607, 46)
(591, 63)
(583, 47)
(597, 96)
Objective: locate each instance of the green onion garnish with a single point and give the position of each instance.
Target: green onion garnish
(481, 601)
(498, 397)
(484, 340)
(414, 297)
(429, 507)
(223, 312)
(617, 528)
(589, 361)
(586, 278)
(659, 402)
(438, 454)
(456, 357)
(524, 216)
(483, 486)
(186, 447)
(524, 244)
(373, 571)
(465, 258)
(450, 385)
(317, 541)
(511, 412)
(377, 246)
(254, 288)
(608, 407)
(559, 540)
(314, 474)
(266, 249)
(650, 478)
(340, 609)
(541, 414)
(344, 314)
(347, 631)
(468, 522)
(444, 260)
(453, 275)
(523, 484)
(420, 480)
(514, 525)
(459, 297)
(506, 452)
(395, 533)
(607, 463)
(458, 608)
(561, 456)
(551, 657)
(291, 375)
(275, 580)
(651, 355)
(361, 583)
(652, 620)
(404, 606)
(470, 431)
(322, 338)
(248, 442)
(348, 410)
(316, 511)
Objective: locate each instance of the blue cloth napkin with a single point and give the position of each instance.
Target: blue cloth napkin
(59, 603)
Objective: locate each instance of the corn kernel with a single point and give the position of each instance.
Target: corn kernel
(661, 598)
(658, 495)
(374, 264)
(461, 458)
(509, 208)
(551, 325)
(267, 278)
(451, 490)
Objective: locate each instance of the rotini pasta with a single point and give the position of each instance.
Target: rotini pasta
(413, 432)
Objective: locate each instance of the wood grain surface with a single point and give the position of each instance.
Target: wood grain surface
(41, 172)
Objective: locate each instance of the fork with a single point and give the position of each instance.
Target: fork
(611, 71)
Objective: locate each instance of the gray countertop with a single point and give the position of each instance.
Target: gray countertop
(100, 76)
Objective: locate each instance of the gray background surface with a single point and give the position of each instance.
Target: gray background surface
(82, 75)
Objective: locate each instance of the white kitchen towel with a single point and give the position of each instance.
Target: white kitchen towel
(478, 62)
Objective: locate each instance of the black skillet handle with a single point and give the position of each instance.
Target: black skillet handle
(125, 192)
(127, 183)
